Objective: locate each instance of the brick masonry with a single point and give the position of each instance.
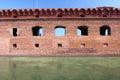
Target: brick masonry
(25, 19)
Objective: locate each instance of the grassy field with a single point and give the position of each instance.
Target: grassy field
(59, 68)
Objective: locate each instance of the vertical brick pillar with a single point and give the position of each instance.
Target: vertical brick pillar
(27, 31)
(48, 30)
(93, 30)
(115, 31)
(71, 31)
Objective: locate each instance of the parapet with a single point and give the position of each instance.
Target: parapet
(99, 12)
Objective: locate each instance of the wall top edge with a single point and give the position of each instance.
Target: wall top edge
(60, 12)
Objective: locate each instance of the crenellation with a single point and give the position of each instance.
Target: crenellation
(62, 12)
(77, 12)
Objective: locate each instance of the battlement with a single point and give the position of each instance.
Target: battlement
(98, 12)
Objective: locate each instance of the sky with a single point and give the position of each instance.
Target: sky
(13, 4)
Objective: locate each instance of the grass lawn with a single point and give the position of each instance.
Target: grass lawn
(59, 68)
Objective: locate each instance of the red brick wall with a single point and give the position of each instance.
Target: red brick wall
(48, 43)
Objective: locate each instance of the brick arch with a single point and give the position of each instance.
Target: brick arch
(82, 12)
(105, 12)
(21, 12)
(59, 12)
(53, 12)
(88, 11)
(30, 12)
(60, 31)
(71, 12)
(9, 12)
(48, 12)
(76, 11)
(99, 12)
(82, 30)
(43, 12)
(66, 11)
(105, 30)
(111, 10)
(14, 13)
(116, 11)
(37, 31)
(94, 11)
(37, 13)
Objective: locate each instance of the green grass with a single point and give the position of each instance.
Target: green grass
(59, 68)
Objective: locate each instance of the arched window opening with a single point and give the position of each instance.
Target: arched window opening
(82, 30)
(60, 31)
(105, 30)
(37, 31)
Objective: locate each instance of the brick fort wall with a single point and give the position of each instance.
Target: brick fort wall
(18, 38)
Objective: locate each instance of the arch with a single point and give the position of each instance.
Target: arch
(37, 12)
(105, 30)
(48, 11)
(26, 11)
(94, 11)
(43, 12)
(65, 11)
(88, 11)
(76, 10)
(37, 31)
(20, 12)
(15, 13)
(59, 12)
(60, 31)
(111, 11)
(82, 12)
(9, 12)
(53, 12)
(116, 11)
(99, 11)
(71, 11)
(82, 30)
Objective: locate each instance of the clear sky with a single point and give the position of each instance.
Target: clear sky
(6, 4)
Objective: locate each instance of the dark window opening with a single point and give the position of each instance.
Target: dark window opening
(104, 15)
(59, 45)
(36, 16)
(37, 31)
(105, 30)
(14, 16)
(14, 45)
(59, 15)
(36, 45)
(82, 45)
(60, 31)
(82, 15)
(105, 44)
(14, 31)
(82, 30)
